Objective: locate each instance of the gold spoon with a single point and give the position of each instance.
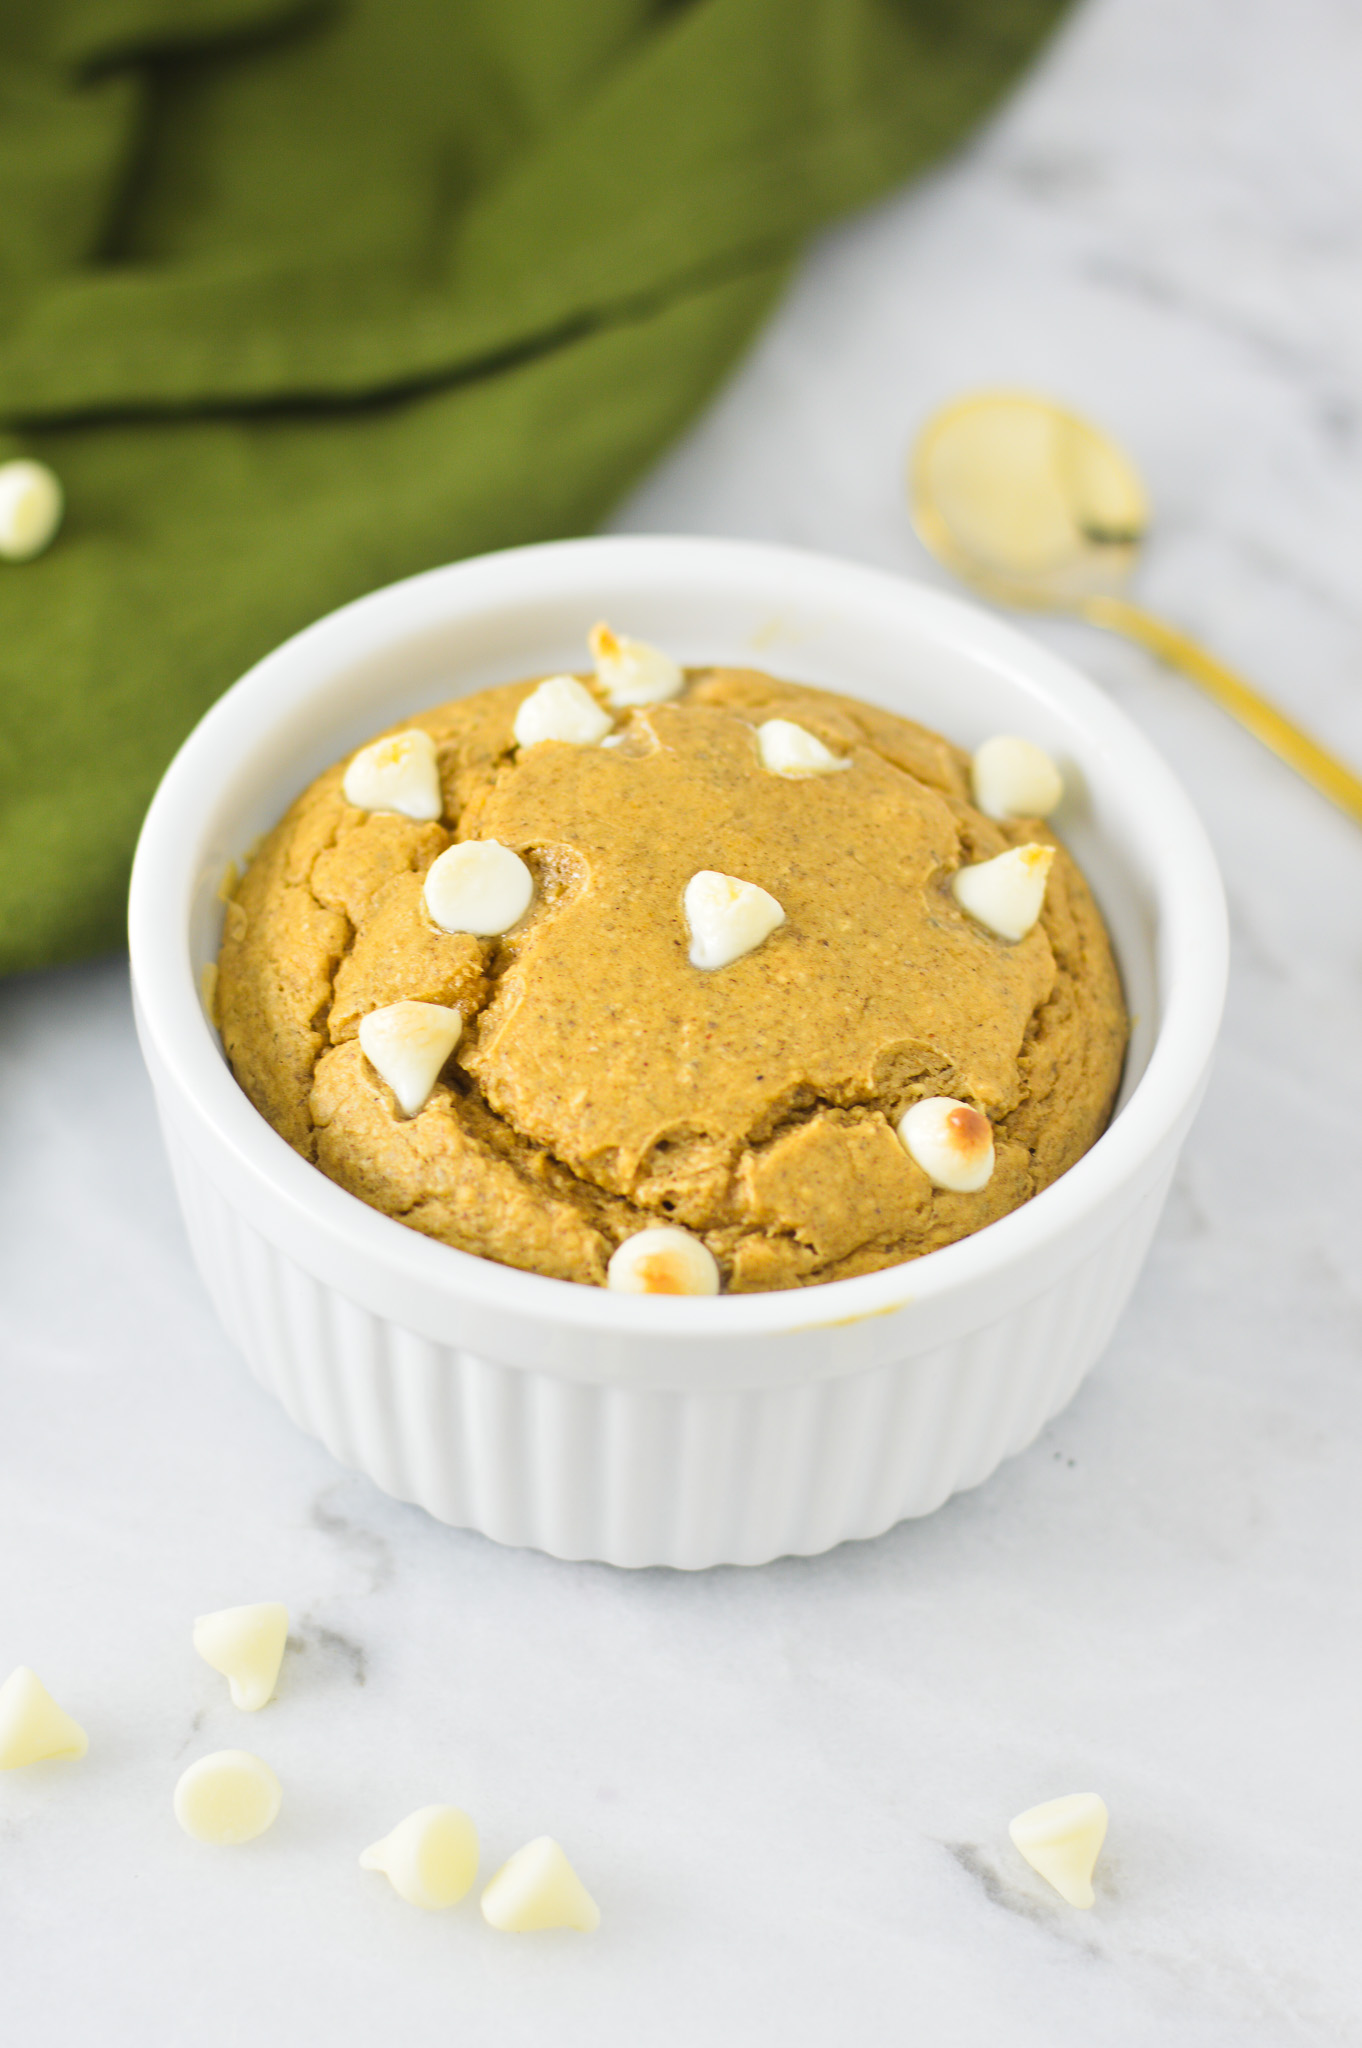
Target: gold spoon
(1034, 506)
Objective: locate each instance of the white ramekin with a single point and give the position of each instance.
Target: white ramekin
(638, 1430)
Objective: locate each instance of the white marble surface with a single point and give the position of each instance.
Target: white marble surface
(789, 1788)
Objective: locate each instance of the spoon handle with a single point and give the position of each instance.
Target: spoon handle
(1263, 720)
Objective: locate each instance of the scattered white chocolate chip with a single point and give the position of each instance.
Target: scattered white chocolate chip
(951, 1142)
(31, 505)
(631, 672)
(1061, 1840)
(228, 1797)
(561, 709)
(1006, 893)
(1013, 778)
(787, 749)
(407, 1044)
(727, 918)
(231, 875)
(479, 886)
(208, 991)
(246, 1644)
(539, 1888)
(400, 773)
(430, 1858)
(33, 1728)
(662, 1260)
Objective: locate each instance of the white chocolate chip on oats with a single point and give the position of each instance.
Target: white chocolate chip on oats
(228, 1797)
(538, 1888)
(1006, 893)
(430, 1858)
(33, 1728)
(1061, 1840)
(400, 773)
(407, 1044)
(951, 1142)
(478, 886)
(631, 672)
(663, 1259)
(208, 991)
(1013, 778)
(787, 749)
(31, 504)
(246, 1644)
(561, 709)
(727, 917)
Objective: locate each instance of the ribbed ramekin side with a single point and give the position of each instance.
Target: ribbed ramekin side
(1124, 1255)
(645, 1475)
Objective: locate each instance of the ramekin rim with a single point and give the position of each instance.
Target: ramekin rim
(170, 1010)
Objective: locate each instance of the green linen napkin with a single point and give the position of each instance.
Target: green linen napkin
(298, 298)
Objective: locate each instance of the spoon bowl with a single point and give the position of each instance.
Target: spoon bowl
(1027, 500)
(1036, 507)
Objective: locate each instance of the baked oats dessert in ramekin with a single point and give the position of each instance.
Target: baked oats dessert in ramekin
(637, 1421)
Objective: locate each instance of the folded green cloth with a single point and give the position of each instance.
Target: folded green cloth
(299, 298)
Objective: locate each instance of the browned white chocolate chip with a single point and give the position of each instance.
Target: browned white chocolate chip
(30, 509)
(1013, 778)
(951, 1142)
(787, 749)
(662, 1260)
(479, 886)
(561, 709)
(1061, 1840)
(407, 1044)
(400, 774)
(727, 917)
(632, 672)
(1006, 893)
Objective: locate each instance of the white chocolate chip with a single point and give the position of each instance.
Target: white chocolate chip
(228, 1797)
(787, 749)
(430, 1858)
(1006, 893)
(727, 918)
(407, 1044)
(539, 1888)
(400, 773)
(1013, 778)
(30, 509)
(631, 672)
(561, 709)
(1061, 1840)
(662, 1260)
(208, 991)
(479, 886)
(33, 1728)
(951, 1142)
(246, 1644)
